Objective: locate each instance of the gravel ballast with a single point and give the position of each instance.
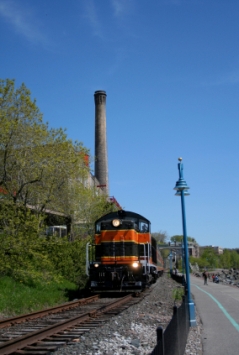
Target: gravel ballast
(133, 332)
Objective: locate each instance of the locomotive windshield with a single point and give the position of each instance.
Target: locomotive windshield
(144, 227)
(130, 223)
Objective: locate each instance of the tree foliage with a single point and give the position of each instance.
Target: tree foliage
(179, 239)
(67, 258)
(41, 169)
(91, 206)
(160, 236)
(229, 259)
(21, 256)
(31, 259)
(210, 259)
(37, 163)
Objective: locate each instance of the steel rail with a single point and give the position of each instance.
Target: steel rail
(13, 345)
(38, 314)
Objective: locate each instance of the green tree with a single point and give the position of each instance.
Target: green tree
(225, 259)
(210, 258)
(40, 169)
(160, 236)
(202, 263)
(234, 259)
(21, 256)
(179, 239)
(68, 258)
(165, 253)
(38, 164)
(91, 206)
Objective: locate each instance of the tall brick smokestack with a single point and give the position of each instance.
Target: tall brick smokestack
(101, 158)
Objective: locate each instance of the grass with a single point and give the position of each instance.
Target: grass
(178, 293)
(17, 298)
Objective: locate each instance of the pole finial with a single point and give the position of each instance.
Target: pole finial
(181, 183)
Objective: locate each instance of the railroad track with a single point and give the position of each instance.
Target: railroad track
(39, 314)
(41, 334)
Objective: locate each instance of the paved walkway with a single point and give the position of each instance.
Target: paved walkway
(218, 307)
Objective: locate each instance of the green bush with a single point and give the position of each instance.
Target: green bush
(68, 258)
(34, 260)
(178, 293)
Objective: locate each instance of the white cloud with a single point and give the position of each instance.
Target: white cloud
(22, 20)
(120, 7)
(123, 8)
(93, 18)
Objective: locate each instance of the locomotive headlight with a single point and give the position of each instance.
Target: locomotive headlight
(135, 264)
(96, 265)
(116, 222)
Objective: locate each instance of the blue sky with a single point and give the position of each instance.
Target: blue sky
(170, 69)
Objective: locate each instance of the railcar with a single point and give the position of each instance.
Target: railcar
(124, 255)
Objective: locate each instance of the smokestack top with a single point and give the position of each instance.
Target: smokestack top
(98, 92)
(100, 97)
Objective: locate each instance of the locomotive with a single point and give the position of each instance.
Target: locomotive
(124, 256)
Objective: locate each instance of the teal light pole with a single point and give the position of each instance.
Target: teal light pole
(170, 262)
(182, 190)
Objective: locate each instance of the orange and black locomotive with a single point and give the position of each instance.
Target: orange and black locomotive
(124, 256)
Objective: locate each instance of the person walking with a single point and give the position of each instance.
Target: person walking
(205, 275)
